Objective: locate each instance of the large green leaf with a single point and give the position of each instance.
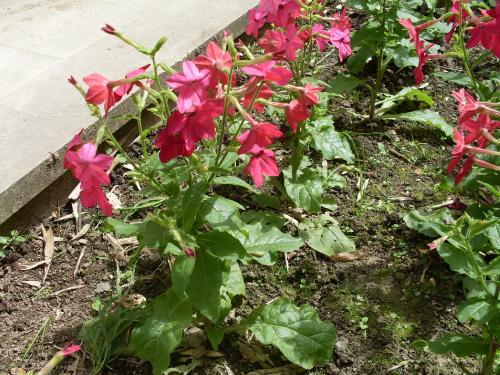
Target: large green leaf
(433, 225)
(297, 331)
(205, 284)
(221, 213)
(190, 205)
(161, 333)
(222, 245)
(235, 181)
(460, 345)
(479, 309)
(181, 271)
(306, 190)
(120, 228)
(343, 83)
(425, 116)
(235, 285)
(459, 260)
(328, 141)
(263, 241)
(328, 240)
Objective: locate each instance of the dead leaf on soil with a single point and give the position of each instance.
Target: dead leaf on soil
(253, 353)
(81, 233)
(34, 283)
(48, 250)
(63, 218)
(25, 266)
(114, 200)
(348, 257)
(66, 290)
(77, 213)
(77, 267)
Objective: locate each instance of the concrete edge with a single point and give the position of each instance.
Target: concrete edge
(36, 194)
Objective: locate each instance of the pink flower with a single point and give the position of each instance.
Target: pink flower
(70, 349)
(309, 94)
(479, 128)
(262, 163)
(184, 130)
(487, 33)
(190, 85)
(468, 106)
(93, 195)
(320, 36)
(90, 168)
(250, 90)
(339, 34)
(432, 246)
(269, 72)
(108, 29)
(454, 18)
(293, 42)
(125, 88)
(423, 57)
(279, 12)
(295, 113)
(100, 91)
(275, 42)
(217, 62)
(259, 137)
(256, 20)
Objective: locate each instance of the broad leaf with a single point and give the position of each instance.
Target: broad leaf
(479, 309)
(344, 83)
(425, 116)
(459, 78)
(460, 345)
(306, 190)
(235, 285)
(205, 284)
(328, 240)
(222, 245)
(221, 213)
(235, 181)
(434, 225)
(328, 141)
(161, 333)
(459, 261)
(181, 271)
(297, 331)
(191, 202)
(120, 228)
(215, 336)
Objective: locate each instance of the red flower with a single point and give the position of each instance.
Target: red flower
(100, 91)
(275, 42)
(250, 90)
(94, 196)
(269, 72)
(191, 86)
(455, 8)
(309, 94)
(256, 20)
(125, 88)
(262, 163)
(184, 130)
(259, 137)
(296, 112)
(108, 29)
(468, 106)
(487, 33)
(423, 56)
(217, 62)
(478, 129)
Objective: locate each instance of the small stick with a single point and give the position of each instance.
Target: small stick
(399, 155)
(65, 290)
(77, 267)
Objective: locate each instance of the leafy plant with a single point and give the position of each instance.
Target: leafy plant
(6, 242)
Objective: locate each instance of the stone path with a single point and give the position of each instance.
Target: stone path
(43, 42)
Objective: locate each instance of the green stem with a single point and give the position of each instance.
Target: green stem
(477, 270)
(227, 101)
(489, 359)
(380, 66)
(166, 109)
(465, 57)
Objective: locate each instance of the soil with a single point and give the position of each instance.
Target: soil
(400, 290)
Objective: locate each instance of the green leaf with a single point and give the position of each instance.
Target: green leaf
(120, 228)
(478, 309)
(359, 58)
(235, 181)
(461, 79)
(205, 284)
(235, 285)
(263, 217)
(425, 116)
(181, 271)
(260, 241)
(328, 240)
(460, 345)
(222, 245)
(221, 213)
(402, 56)
(215, 336)
(434, 225)
(328, 141)
(297, 331)
(161, 333)
(459, 261)
(343, 83)
(493, 268)
(306, 190)
(191, 202)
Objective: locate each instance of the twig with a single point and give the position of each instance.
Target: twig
(77, 267)
(399, 155)
(66, 290)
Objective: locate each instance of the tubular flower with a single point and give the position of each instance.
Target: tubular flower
(468, 106)
(262, 163)
(251, 90)
(487, 33)
(125, 88)
(100, 91)
(423, 57)
(184, 130)
(454, 18)
(259, 137)
(275, 42)
(190, 85)
(339, 34)
(296, 112)
(90, 169)
(478, 129)
(256, 20)
(217, 62)
(268, 71)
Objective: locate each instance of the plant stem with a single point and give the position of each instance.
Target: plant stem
(380, 66)
(465, 57)
(489, 360)
(220, 139)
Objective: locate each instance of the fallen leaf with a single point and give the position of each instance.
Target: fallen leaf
(65, 217)
(66, 290)
(114, 200)
(81, 233)
(34, 283)
(77, 267)
(348, 257)
(48, 250)
(25, 266)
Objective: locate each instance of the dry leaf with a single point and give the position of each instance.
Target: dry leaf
(34, 283)
(81, 233)
(25, 266)
(114, 200)
(65, 217)
(77, 213)
(348, 257)
(77, 267)
(66, 290)
(48, 250)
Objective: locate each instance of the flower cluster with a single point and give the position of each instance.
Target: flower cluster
(474, 132)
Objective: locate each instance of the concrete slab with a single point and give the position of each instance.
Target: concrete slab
(43, 42)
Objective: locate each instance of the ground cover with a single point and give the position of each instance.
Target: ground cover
(352, 171)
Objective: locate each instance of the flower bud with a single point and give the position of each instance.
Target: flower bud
(108, 29)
